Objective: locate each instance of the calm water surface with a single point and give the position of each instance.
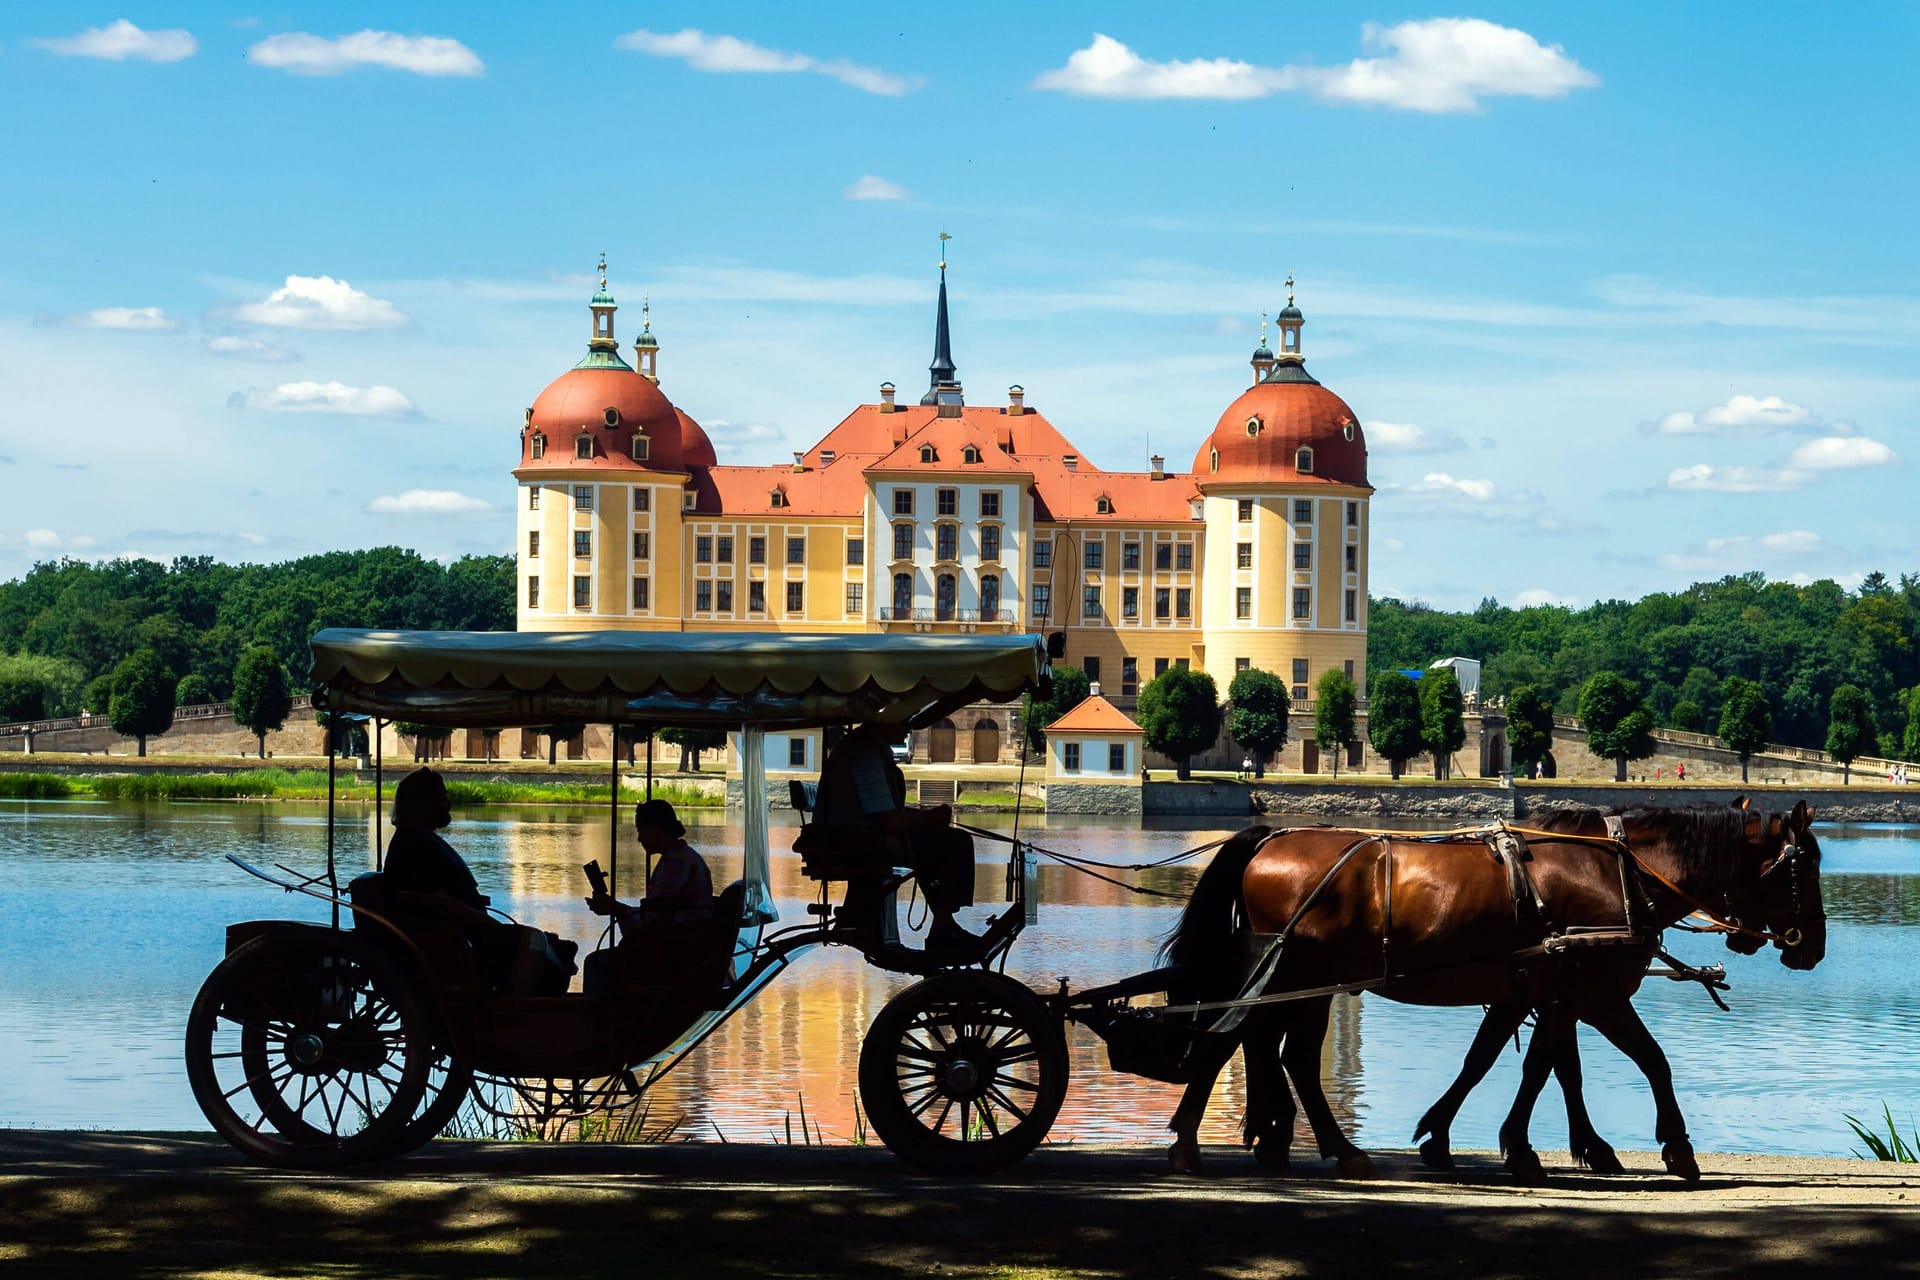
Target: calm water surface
(111, 916)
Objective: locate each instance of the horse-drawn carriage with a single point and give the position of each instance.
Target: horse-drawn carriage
(319, 1045)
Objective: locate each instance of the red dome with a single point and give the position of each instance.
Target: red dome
(1259, 437)
(695, 449)
(581, 398)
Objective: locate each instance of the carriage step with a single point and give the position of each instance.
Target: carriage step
(937, 791)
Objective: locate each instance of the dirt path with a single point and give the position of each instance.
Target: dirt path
(79, 1204)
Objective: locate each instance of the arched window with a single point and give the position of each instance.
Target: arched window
(1303, 460)
(1346, 428)
(970, 454)
(1213, 459)
(927, 454)
(778, 498)
(1253, 426)
(902, 595)
(989, 597)
(1103, 505)
(539, 445)
(945, 595)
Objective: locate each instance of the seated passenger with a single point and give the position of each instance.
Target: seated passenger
(679, 892)
(863, 794)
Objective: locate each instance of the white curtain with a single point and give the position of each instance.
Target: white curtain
(756, 868)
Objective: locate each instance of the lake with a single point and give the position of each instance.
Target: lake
(113, 914)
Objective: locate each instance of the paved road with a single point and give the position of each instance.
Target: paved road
(80, 1204)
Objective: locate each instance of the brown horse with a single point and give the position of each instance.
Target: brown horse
(1437, 920)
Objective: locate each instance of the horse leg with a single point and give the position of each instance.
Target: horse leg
(1589, 1148)
(1496, 1028)
(1620, 1023)
(1208, 1059)
(1306, 1031)
(1270, 1110)
(1515, 1146)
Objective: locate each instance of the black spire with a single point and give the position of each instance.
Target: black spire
(941, 371)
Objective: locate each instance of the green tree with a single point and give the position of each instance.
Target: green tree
(1335, 700)
(1529, 724)
(1688, 717)
(1619, 726)
(1257, 710)
(99, 694)
(691, 743)
(1746, 719)
(1393, 720)
(260, 700)
(1910, 740)
(142, 703)
(192, 691)
(555, 734)
(1850, 728)
(1443, 711)
(1070, 689)
(1179, 711)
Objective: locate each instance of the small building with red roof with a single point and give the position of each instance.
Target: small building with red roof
(1094, 745)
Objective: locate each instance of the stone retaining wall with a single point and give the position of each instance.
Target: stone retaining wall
(1113, 799)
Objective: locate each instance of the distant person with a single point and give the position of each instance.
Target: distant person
(1680, 771)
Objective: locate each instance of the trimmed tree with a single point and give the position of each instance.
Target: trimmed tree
(1688, 717)
(142, 702)
(1529, 724)
(1179, 711)
(556, 734)
(192, 691)
(1393, 720)
(261, 701)
(1619, 726)
(1910, 740)
(425, 738)
(1850, 729)
(1746, 719)
(1443, 712)
(1257, 711)
(1070, 689)
(1335, 700)
(692, 742)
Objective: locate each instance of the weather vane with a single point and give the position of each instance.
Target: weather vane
(1289, 288)
(603, 268)
(944, 237)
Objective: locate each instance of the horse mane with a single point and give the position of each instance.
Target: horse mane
(1708, 839)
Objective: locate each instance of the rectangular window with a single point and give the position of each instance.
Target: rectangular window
(1243, 555)
(1130, 602)
(533, 545)
(903, 542)
(1159, 667)
(796, 550)
(1353, 515)
(1183, 602)
(856, 597)
(640, 594)
(1129, 676)
(1070, 757)
(1303, 555)
(796, 596)
(723, 596)
(687, 499)
(1302, 511)
(796, 752)
(703, 596)
(582, 592)
(1181, 663)
(990, 542)
(1116, 757)
(1091, 665)
(723, 549)
(1302, 603)
(1162, 602)
(582, 543)
(989, 597)
(1245, 509)
(1352, 607)
(1243, 602)
(583, 497)
(1349, 666)
(1043, 553)
(903, 502)
(533, 591)
(1042, 602)
(642, 499)
(1163, 556)
(990, 504)
(1300, 671)
(703, 550)
(1090, 602)
(756, 550)
(1129, 555)
(856, 550)
(1183, 556)
(583, 447)
(756, 597)
(641, 448)
(947, 501)
(946, 542)
(1353, 559)
(642, 546)
(902, 596)
(1096, 552)
(533, 497)
(1242, 664)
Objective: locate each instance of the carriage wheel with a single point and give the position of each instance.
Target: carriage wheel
(308, 1050)
(963, 1072)
(449, 1081)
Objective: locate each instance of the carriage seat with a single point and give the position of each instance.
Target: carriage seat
(697, 954)
(448, 951)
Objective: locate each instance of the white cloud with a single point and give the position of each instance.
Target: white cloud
(436, 502)
(240, 347)
(1704, 478)
(1535, 597)
(327, 397)
(1729, 554)
(311, 55)
(136, 319)
(321, 302)
(1439, 482)
(735, 439)
(1740, 415)
(871, 187)
(730, 54)
(1401, 437)
(1437, 65)
(120, 40)
(1840, 453)
(48, 540)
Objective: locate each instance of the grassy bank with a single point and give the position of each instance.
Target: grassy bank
(311, 784)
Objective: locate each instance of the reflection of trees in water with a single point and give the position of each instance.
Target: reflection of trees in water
(1854, 898)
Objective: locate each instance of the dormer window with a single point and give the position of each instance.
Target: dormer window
(1213, 459)
(642, 447)
(612, 416)
(539, 445)
(1303, 460)
(778, 498)
(826, 457)
(1253, 426)
(1346, 428)
(583, 446)
(686, 500)
(1071, 461)
(970, 454)
(527, 421)
(927, 454)
(1103, 505)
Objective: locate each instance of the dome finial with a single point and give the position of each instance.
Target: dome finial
(603, 268)
(1289, 288)
(1263, 328)
(944, 237)
(646, 313)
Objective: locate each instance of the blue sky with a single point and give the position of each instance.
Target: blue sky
(1626, 297)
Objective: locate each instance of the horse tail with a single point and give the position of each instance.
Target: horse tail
(1202, 943)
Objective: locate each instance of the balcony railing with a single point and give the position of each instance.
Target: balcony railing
(891, 613)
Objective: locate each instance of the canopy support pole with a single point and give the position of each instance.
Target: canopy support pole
(379, 831)
(613, 825)
(333, 764)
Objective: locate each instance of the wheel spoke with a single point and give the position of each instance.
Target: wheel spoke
(986, 1117)
(1006, 1102)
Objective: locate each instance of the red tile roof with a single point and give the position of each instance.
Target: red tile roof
(1093, 714)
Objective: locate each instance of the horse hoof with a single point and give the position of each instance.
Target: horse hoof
(1678, 1157)
(1184, 1157)
(1436, 1153)
(1600, 1158)
(1272, 1156)
(1358, 1166)
(1524, 1164)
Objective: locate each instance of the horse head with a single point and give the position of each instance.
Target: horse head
(1779, 889)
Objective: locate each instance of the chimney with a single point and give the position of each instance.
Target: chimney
(886, 398)
(1093, 690)
(1016, 400)
(798, 463)
(1157, 467)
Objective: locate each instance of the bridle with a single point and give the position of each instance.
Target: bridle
(1789, 860)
